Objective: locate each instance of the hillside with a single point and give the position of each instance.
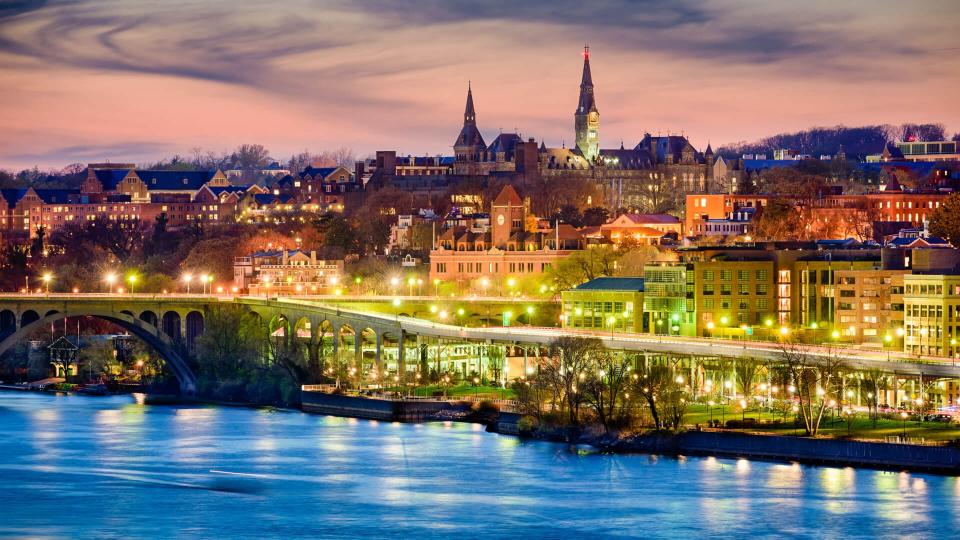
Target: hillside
(856, 141)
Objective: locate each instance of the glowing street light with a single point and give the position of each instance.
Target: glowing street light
(132, 278)
(110, 278)
(46, 281)
(187, 278)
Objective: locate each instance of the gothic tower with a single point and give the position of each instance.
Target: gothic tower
(469, 144)
(586, 121)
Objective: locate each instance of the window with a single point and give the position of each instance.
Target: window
(726, 275)
(743, 275)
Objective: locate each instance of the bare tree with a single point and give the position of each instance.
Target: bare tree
(604, 387)
(815, 377)
(565, 369)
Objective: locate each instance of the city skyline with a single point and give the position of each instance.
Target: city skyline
(90, 81)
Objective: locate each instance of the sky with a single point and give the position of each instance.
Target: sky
(138, 80)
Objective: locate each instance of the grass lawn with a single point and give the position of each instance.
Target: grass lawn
(463, 389)
(861, 426)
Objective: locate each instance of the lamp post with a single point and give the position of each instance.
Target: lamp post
(132, 278)
(187, 278)
(46, 281)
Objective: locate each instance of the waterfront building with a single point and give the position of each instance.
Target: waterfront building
(869, 306)
(606, 303)
(666, 308)
(931, 305)
(286, 272)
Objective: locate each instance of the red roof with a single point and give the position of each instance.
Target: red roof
(508, 197)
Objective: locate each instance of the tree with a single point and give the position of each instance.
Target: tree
(945, 221)
(815, 377)
(495, 360)
(874, 382)
(230, 342)
(337, 232)
(568, 213)
(603, 388)
(778, 221)
(657, 385)
(584, 265)
(564, 369)
(595, 216)
(249, 158)
(214, 256)
(37, 247)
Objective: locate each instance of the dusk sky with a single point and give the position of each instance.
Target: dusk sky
(132, 80)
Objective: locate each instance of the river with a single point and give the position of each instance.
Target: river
(87, 467)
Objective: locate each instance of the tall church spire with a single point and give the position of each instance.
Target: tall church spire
(469, 115)
(586, 119)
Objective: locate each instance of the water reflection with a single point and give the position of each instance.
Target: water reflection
(114, 468)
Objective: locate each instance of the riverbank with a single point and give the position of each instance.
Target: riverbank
(939, 459)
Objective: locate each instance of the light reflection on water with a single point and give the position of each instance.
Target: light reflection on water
(118, 470)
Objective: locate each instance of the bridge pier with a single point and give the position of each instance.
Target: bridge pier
(401, 357)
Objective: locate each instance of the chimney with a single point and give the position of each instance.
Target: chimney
(313, 257)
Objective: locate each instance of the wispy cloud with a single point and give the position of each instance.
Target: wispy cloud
(389, 73)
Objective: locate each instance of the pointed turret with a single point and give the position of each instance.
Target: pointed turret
(587, 102)
(586, 119)
(469, 114)
(469, 143)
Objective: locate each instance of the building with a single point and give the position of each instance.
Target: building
(286, 272)
(641, 228)
(651, 175)
(667, 306)
(516, 244)
(118, 193)
(931, 304)
(870, 306)
(917, 151)
(739, 224)
(843, 214)
(606, 303)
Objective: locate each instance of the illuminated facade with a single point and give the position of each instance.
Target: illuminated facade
(286, 272)
(607, 303)
(931, 304)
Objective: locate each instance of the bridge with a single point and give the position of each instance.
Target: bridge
(172, 323)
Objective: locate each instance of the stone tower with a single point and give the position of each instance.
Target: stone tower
(586, 121)
(469, 143)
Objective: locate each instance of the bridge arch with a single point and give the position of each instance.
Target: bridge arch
(171, 325)
(8, 323)
(194, 327)
(159, 341)
(149, 317)
(28, 317)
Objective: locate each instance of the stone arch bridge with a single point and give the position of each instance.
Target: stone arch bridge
(171, 325)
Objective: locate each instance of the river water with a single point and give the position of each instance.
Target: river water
(89, 467)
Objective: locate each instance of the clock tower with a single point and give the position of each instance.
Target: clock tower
(506, 217)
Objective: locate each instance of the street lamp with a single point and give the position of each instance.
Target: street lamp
(132, 278)
(187, 278)
(46, 281)
(110, 278)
